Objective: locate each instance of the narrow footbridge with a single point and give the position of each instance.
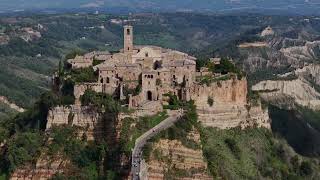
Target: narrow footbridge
(174, 116)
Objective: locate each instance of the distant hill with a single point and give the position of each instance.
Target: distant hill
(284, 6)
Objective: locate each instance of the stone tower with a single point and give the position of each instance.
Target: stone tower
(128, 39)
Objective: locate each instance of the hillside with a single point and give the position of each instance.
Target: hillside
(61, 34)
(212, 146)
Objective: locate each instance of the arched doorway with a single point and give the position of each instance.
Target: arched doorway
(149, 96)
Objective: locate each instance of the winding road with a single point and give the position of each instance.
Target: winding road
(174, 116)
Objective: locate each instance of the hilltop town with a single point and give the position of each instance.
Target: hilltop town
(136, 111)
(145, 75)
(149, 80)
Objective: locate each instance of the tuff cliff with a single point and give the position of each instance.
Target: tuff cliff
(88, 119)
(301, 90)
(280, 54)
(230, 107)
(170, 158)
(45, 168)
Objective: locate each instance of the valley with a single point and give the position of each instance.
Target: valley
(247, 84)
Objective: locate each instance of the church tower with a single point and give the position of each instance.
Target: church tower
(128, 39)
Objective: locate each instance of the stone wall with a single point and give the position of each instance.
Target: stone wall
(79, 90)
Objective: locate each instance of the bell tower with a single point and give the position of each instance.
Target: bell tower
(128, 39)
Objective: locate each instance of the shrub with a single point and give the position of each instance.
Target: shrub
(232, 144)
(84, 75)
(23, 149)
(305, 168)
(295, 163)
(101, 101)
(210, 101)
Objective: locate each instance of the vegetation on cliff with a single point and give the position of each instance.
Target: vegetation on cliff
(253, 154)
(226, 68)
(300, 127)
(129, 133)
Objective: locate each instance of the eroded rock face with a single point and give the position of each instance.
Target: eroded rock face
(297, 91)
(222, 92)
(172, 155)
(45, 169)
(281, 53)
(10, 104)
(230, 116)
(84, 117)
(230, 107)
(310, 72)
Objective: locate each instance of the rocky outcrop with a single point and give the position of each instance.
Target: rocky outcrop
(290, 92)
(308, 51)
(45, 168)
(230, 116)
(222, 92)
(10, 104)
(280, 53)
(84, 117)
(229, 106)
(170, 156)
(309, 72)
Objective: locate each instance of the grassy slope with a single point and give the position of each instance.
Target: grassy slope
(299, 127)
(256, 153)
(6, 111)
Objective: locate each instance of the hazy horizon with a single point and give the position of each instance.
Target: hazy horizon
(290, 6)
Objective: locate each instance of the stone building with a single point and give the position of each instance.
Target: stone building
(143, 75)
(157, 70)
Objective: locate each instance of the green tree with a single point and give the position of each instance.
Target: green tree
(23, 148)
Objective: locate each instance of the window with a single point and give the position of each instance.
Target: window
(108, 80)
(147, 54)
(128, 31)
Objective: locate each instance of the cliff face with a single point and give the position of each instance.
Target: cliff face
(169, 158)
(84, 117)
(230, 107)
(231, 91)
(45, 169)
(11, 105)
(230, 116)
(301, 91)
(280, 53)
